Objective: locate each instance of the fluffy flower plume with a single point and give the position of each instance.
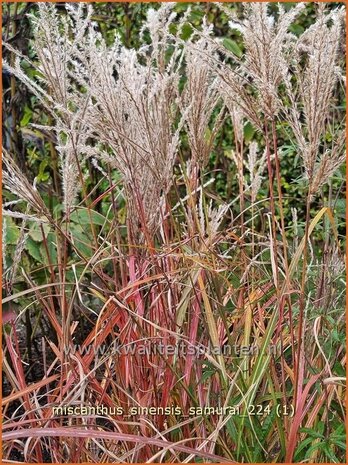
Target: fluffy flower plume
(315, 64)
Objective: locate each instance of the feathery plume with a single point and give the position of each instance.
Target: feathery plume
(315, 63)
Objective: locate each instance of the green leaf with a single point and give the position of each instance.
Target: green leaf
(26, 117)
(303, 445)
(82, 216)
(232, 46)
(42, 174)
(249, 131)
(11, 231)
(330, 454)
(340, 208)
(313, 448)
(35, 231)
(207, 135)
(296, 29)
(196, 15)
(34, 250)
(52, 248)
(312, 433)
(338, 443)
(186, 31)
(82, 242)
(340, 432)
(207, 374)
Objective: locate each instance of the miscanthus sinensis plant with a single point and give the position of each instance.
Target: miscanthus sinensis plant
(186, 266)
